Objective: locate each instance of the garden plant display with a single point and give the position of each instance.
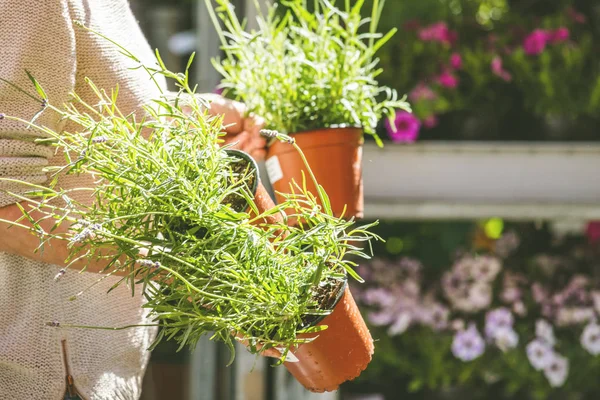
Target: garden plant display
(185, 222)
(310, 68)
(494, 69)
(517, 318)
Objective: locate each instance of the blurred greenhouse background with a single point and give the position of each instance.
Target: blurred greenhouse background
(487, 195)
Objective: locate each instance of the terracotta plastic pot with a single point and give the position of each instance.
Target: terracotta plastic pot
(339, 354)
(334, 155)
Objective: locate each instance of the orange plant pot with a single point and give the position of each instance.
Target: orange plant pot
(335, 157)
(338, 354)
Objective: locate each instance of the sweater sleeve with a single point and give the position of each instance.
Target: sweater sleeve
(38, 39)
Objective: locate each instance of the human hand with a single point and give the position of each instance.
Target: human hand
(242, 128)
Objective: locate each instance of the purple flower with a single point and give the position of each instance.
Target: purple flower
(380, 318)
(557, 371)
(498, 319)
(590, 338)
(447, 80)
(560, 35)
(378, 296)
(540, 354)
(545, 332)
(468, 344)
(456, 61)
(430, 122)
(498, 69)
(535, 42)
(405, 127)
(506, 338)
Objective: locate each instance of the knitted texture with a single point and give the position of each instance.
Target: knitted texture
(40, 37)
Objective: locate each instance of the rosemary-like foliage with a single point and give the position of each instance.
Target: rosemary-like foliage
(163, 189)
(306, 68)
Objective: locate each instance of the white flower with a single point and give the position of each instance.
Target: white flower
(485, 268)
(557, 371)
(540, 355)
(400, 325)
(480, 296)
(544, 331)
(590, 338)
(506, 338)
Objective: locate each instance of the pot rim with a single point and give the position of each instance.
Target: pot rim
(338, 297)
(250, 160)
(326, 128)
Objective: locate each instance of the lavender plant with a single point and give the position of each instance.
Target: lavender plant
(165, 204)
(307, 69)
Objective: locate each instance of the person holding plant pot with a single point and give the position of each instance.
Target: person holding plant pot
(37, 362)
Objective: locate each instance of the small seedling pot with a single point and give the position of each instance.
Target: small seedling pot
(335, 157)
(339, 353)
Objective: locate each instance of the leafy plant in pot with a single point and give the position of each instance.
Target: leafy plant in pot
(312, 74)
(206, 261)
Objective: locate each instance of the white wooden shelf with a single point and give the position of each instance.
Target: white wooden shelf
(466, 180)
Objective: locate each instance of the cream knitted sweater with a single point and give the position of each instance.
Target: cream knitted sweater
(35, 359)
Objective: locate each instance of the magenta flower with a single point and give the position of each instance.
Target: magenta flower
(535, 43)
(447, 80)
(560, 35)
(437, 32)
(421, 92)
(405, 127)
(430, 122)
(498, 69)
(456, 61)
(593, 231)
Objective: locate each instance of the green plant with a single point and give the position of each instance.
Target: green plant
(167, 189)
(307, 69)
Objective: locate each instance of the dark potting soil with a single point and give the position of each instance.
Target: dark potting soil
(241, 170)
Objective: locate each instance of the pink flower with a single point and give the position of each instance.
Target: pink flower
(421, 92)
(430, 122)
(535, 42)
(456, 61)
(498, 69)
(576, 16)
(593, 231)
(405, 127)
(560, 35)
(446, 79)
(438, 32)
